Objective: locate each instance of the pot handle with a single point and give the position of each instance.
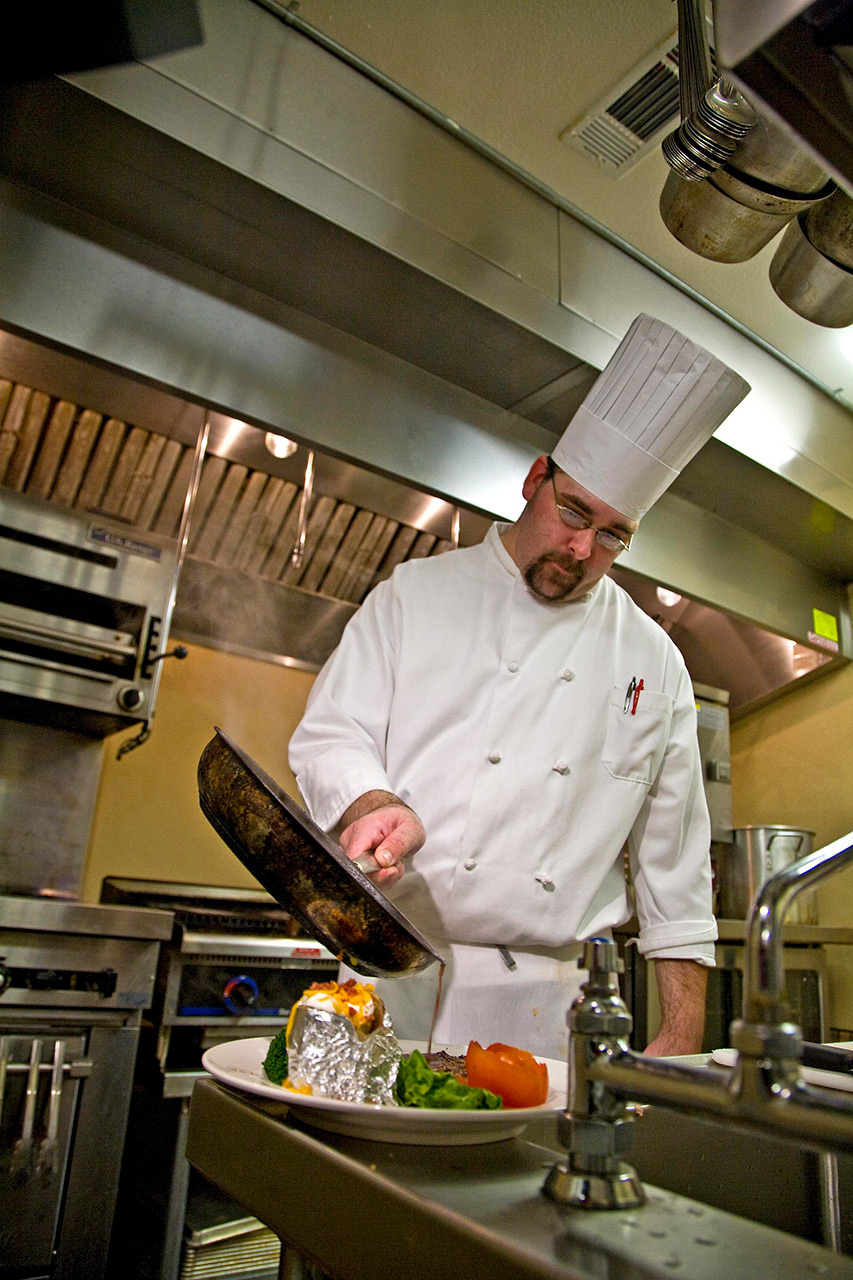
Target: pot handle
(791, 836)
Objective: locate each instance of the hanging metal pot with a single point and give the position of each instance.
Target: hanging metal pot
(812, 270)
(734, 213)
(710, 219)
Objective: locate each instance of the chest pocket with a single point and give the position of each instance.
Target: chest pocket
(635, 744)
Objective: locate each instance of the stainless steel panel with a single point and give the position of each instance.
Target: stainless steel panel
(229, 99)
(88, 920)
(267, 620)
(284, 950)
(321, 245)
(276, 366)
(480, 1209)
(712, 714)
(48, 783)
(97, 558)
(722, 480)
(93, 1181)
(713, 561)
(68, 976)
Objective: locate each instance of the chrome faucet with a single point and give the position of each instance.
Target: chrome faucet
(764, 1090)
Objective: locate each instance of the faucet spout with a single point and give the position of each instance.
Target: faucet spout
(764, 1090)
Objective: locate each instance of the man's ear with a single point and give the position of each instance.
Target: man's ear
(535, 476)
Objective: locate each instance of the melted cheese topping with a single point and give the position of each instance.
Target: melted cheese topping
(351, 999)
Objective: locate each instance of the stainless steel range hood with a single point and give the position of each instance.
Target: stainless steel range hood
(128, 460)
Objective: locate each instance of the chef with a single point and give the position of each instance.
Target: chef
(505, 730)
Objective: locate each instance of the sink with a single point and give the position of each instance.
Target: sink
(761, 1178)
(765, 1179)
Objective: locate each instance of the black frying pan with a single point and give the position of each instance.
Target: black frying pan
(303, 868)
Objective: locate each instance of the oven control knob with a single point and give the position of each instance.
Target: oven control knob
(5, 977)
(129, 698)
(240, 994)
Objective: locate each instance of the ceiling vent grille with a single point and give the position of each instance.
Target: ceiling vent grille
(633, 117)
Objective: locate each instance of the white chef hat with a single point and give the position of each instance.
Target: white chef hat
(655, 403)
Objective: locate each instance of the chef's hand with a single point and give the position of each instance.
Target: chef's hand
(380, 823)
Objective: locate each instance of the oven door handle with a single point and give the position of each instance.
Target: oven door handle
(5, 1049)
(45, 664)
(22, 1150)
(47, 1164)
(46, 637)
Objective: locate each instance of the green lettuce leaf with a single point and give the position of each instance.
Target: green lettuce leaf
(417, 1085)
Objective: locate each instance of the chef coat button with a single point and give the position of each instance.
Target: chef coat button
(512, 666)
(545, 881)
(470, 864)
(568, 674)
(494, 757)
(562, 767)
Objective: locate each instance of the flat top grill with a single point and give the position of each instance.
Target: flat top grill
(205, 908)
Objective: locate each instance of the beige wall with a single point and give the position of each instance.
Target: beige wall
(147, 820)
(792, 763)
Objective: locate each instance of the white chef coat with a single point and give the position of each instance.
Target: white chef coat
(502, 722)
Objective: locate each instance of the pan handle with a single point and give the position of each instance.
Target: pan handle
(367, 863)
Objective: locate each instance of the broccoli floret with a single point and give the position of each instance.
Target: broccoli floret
(275, 1063)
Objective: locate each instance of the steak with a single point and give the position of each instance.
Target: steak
(443, 1061)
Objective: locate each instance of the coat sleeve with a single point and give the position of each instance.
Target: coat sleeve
(337, 751)
(669, 848)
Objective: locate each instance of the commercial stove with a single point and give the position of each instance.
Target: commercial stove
(74, 980)
(234, 966)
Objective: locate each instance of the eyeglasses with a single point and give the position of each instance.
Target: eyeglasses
(576, 520)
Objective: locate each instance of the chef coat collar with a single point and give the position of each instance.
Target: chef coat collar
(495, 542)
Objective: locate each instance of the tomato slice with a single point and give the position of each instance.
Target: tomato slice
(513, 1074)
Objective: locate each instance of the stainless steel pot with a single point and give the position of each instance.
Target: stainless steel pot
(770, 156)
(812, 269)
(756, 853)
(726, 218)
(829, 227)
(735, 212)
(809, 282)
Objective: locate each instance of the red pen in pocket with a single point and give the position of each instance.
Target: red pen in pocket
(637, 693)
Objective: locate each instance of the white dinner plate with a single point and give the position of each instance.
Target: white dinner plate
(239, 1064)
(811, 1075)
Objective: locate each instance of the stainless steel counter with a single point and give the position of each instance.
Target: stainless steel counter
(794, 934)
(365, 1209)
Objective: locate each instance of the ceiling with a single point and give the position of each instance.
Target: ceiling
(515, 74)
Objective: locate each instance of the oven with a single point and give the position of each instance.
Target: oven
(74, 980)
(233, 967)
(84, 610)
